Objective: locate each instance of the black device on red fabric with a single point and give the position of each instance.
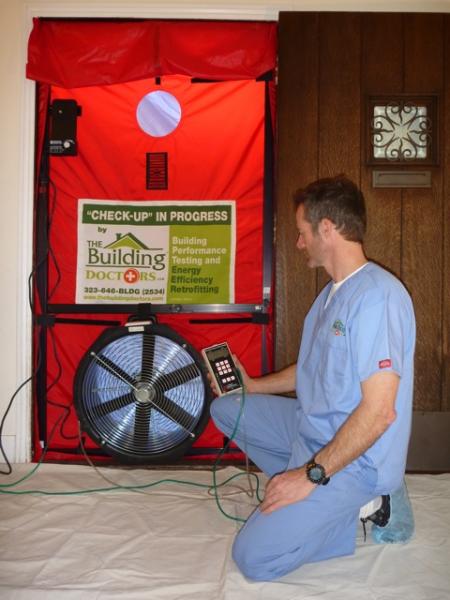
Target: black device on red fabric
(63, 130)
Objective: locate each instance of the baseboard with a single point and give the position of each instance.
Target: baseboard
(429, 449)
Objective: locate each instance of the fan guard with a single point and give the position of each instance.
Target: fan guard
(142, 394)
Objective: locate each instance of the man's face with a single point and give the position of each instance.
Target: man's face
(309, 241)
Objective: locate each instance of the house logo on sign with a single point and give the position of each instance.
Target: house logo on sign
(127, 251)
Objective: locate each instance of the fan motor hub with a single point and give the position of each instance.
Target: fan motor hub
(144, 393)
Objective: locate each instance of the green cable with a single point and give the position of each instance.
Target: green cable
(119, 487)
(38, 464)
(222, 452)
(215, 485)
(7, 485)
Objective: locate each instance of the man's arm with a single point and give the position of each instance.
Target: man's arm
(280, 382)
(363, 427)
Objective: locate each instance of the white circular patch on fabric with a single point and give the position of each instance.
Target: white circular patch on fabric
(158, 113)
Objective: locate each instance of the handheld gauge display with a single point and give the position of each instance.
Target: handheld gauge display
(222, 368)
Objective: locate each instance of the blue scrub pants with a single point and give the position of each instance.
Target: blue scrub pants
(321, 526)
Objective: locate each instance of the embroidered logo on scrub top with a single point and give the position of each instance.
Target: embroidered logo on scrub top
(338, 327)
(384, 364)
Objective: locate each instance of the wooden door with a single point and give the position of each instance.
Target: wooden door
(329, 64)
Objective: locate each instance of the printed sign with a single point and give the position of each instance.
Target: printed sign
(157, 252)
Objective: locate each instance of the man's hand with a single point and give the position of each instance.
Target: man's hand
(250, 383)
(280, 382)
(286, 488)
(212, 385)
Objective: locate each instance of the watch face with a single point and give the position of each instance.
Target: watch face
(316, 474)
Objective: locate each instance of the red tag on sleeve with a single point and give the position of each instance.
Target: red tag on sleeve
(384, 364)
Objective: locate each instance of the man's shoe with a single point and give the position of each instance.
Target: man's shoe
(381, 516)
(398, 527)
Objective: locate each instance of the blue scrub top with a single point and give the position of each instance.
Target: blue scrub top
(367, 327)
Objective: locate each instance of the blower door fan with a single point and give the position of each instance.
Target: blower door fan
(142, 393)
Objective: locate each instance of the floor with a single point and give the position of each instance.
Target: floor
(171, 542)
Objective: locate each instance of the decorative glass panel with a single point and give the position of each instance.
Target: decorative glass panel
(401, 132)
(402, 129)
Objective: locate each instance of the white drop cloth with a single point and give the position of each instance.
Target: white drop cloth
(172, 543)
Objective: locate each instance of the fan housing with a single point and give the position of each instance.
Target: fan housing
(142, 394)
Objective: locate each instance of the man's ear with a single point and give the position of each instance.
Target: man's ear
(326, 227)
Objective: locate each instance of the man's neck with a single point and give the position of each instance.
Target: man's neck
(346, 259)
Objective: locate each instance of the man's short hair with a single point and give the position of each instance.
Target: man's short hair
(337, 199)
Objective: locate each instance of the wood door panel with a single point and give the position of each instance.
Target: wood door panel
(339, 104)
(422, 217)
(295, 284)
(421, 267)
(382, 53)
(424, 56)
(329, 64)
(445, 404)
(339, 100)
(382, 44)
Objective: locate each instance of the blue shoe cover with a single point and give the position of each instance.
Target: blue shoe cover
(400, 526)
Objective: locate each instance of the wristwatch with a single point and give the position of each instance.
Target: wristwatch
(316, 473)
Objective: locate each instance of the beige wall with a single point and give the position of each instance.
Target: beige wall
(16, 141)
(11, 77)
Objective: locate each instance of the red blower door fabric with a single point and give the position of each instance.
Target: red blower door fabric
(79, 53)
(213, 151)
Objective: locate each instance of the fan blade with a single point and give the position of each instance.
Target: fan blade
(148, 355)
(141, 425)
(167, 381)
(105, 408)
(115, 370)
(171, 409)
